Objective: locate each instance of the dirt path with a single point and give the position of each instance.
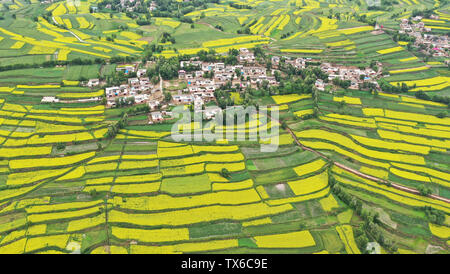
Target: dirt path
(76, 36)
(363, 175)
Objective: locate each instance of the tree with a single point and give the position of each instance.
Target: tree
(167, 96)
(225, 173)
(93, 192)
(441, 115)
(60, 146)
(424, 190)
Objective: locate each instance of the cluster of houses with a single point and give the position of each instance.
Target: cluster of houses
(203, 78)
(246, 74)
(140, 88)
(299, 63)
(133, 5)
(355, 75)
(436, 45)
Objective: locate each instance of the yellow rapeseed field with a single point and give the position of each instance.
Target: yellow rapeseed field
(284, 99)
(440, 230)
(310, 167)
(200, 214)
(309, 184)
(390, 50)
(408, 70)
(151, 236)
(348, 100)
(296, 239)
(328, 203)
(346, 234)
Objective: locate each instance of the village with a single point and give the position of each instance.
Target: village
(435, 45)
(200, 79)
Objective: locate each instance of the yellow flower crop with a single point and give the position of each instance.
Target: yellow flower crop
(60, 10)
(167, 22)
(310, 167)
(84, 24)
(309, 184)
(304, 112)
(166, 202)
(74, 174)
(199, 214)
(348, 100)
(395, 146)
(409, 175)
(328, 203)
(424, 82)
(138, 164)
(72, 95)
(101, 167)
(337, 149)
(198, 149)
(379, 173)
(340, 43)
(99, 181)
(284, 22)
(347, 142)
(440, 231)
(47, 241)
(151, 236)
(70, 83)
(283, 99)
(43, 217)
(232, 186)
(68, 23)
(17, 45)
(139, 178)
(164, 152)
(385, 134)
(355, 30)
(408, 70)
(256, 222)
(429, 171)
(346, 234)
(296, 239)
(423, 102)
(390, 50)
(136, 188)
(394, 194)
(62, 54)
(408, 59)
(130, 35)
(111, 250)
(17, 247)
(232, 167)
(24, 151)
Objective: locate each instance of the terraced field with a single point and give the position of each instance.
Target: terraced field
(69, 185)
